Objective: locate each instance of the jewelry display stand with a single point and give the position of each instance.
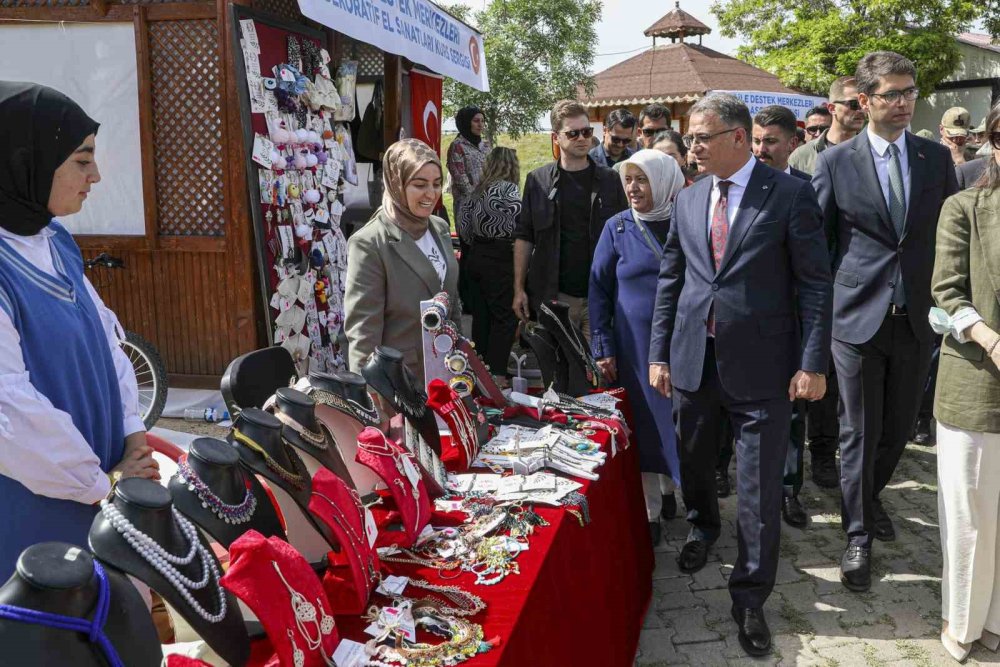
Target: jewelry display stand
(340, 508)
(286, 476)
(211, 489)
(58, 583)
(278, 584)
(554, 316)
(140, 533)
(316, 446)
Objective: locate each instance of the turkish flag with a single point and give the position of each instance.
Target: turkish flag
(425, 108)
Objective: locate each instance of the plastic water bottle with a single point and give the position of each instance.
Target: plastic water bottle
(210, 415)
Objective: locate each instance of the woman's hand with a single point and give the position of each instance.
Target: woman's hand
(609, 368)
(138, 460)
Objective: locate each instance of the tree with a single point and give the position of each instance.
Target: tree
(809, 43)
(537, 52)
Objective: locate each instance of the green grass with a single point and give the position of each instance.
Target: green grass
(533, 150)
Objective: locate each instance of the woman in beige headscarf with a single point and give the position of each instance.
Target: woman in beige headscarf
(401, 257)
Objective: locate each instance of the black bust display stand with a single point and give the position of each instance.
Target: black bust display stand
(388, 375)
(305, 533)
(217, 464)
(292, 403)
(147, 505)
(59, 578)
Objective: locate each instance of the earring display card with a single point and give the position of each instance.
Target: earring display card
(295, 177)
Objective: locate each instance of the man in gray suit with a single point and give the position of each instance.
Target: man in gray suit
(881, 193)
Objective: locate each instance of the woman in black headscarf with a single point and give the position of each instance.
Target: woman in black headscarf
(69, 422)
(467, 155)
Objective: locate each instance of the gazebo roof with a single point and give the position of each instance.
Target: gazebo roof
(678, 72)
(677, 24)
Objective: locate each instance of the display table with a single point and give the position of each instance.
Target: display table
(582, 592)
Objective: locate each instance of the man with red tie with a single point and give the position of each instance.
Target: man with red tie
(745, 264)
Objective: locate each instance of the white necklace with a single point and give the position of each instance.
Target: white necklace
(164, 562)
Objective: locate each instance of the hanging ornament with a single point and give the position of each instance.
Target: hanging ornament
(312, 196)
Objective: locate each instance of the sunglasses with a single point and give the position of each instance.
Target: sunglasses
(650, 131)
(586, 133)
(817, 129)
(853, 105)
(620, 141)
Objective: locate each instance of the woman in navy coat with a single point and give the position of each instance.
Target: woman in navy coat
(622, 293)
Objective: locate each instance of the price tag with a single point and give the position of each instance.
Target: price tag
(349, 654)
(262, 147)
(287, 237)
(371, 530)
(393, 586)
(411, 471)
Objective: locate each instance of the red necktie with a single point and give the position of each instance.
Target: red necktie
(720, 232)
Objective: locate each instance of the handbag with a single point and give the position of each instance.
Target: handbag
(370, 144)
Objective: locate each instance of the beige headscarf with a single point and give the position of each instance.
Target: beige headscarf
(665, 179)
(399, 164)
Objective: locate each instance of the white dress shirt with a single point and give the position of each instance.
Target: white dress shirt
(880, 153)
(738, 185)
(39, 445)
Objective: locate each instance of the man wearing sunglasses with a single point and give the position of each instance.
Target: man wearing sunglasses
(619, 131)
(652, 119)
(881, 194)
(817, 122)
(564, 207)
(846, 120)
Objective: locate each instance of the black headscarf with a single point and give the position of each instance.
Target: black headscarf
(463, 119)
(40, 129)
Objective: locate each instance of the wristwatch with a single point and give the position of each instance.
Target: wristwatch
(114, 478)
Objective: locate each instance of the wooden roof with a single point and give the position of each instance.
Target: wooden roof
(677, 23)
(677, 72)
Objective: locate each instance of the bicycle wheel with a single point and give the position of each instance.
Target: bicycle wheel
(150, 375)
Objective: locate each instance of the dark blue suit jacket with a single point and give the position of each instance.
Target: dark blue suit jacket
(774, 275)
(863, 242)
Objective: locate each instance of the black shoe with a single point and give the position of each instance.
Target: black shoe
(856, 568)
(669, 509)
(923, 434)
(755, 636)
(654, 532)
(693, 556)
(824, 472)
(884, 529)
(793, 512)
(722, 488)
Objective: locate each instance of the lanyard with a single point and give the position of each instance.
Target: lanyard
(657, 250)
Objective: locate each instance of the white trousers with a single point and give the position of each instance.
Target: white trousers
(968, 507)
(654, 487)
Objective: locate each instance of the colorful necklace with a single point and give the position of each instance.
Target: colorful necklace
(467, 603)
(296, 480)
(231, 514)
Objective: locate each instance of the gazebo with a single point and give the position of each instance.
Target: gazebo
(675, 74)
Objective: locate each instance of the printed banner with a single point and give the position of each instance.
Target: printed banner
(425, 108)
(416, 29)
(757, 100)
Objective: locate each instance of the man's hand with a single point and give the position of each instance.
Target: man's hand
(138, 460)
(521, 305)
(609, 368)
(659, 379)
(957, 151)
(810, 386)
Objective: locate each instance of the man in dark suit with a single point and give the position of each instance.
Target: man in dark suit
(970, 172)
(880, 194)
(744, 263)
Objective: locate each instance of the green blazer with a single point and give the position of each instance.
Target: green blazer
(967, 273)
(387, 278)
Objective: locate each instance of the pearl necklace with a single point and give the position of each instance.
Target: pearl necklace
(164, 562)
(231, 514)
(314, 438)
(296, 480)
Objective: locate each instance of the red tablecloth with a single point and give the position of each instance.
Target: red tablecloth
(582, 592)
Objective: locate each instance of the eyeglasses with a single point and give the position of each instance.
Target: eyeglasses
(854, 105)
(620, 141)
(893, 96)
(817, 130)
(586, 133)
(691, 139)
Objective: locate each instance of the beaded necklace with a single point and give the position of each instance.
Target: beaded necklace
(296, 480)
(231, 514)
(165, 562)
(314, 438)
(365, 413)
(467, 603)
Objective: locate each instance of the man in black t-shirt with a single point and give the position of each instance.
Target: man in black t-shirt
(565, 206)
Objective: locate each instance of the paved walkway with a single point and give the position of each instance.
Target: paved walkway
(813, 618)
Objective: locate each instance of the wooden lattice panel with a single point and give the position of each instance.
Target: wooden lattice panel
(287, 9)
(187, 127)
(371, 61)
